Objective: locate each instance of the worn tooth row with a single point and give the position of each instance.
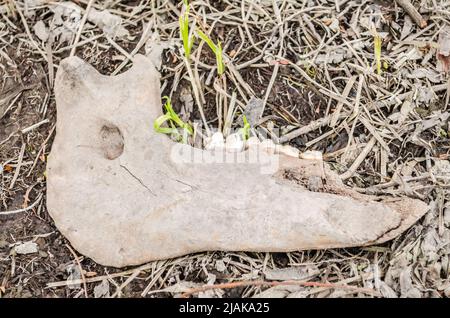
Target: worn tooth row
(235, 143)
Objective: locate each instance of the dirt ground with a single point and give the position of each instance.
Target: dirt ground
(297, 56)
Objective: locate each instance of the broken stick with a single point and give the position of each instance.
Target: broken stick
(412, 12)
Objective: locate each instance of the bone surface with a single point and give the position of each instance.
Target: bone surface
(124, 195)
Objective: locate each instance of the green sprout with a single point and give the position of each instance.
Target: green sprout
(377, 45)
(217, 49)
(245, 131)
(173, 121)
(188, 42)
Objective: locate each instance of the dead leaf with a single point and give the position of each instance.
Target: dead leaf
(220, 266)
(109, 23)
(41, 31)
(407, 27)
(443, 52)
(154, 48)
(26, 248)
(387, 291)
(292, 273)
(102, 289)
(407, 288)
(427, 73)
(253, 111)
(334, 57)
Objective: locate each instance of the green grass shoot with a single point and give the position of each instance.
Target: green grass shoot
(217, 49)
(172, 120)
(245, 131)
(311, 71)
(377, 45)
(188, 42)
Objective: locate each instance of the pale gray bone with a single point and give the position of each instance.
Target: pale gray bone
(114, 191)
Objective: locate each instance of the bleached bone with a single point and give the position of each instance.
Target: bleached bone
(234, 142)
(215, 142)
(124, 195)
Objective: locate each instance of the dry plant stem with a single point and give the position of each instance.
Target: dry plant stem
(412, 12)
(344, 282)
(41, 149)
(19, 165)
(280, 53)
(80, 29)
(321, 88)
(27, 30)
(34, 126)
(324, 121)
(220, 84)
(118, 292)
(224, 97)
(374, 132)
(13, 102)
(35, 203)
(51, 69)
(119, 48)
(197, 62)
(145, 36)
(348, 87)
(349, 173)
(321, 122)
(99, 278)
(196, 89)
(83, 278)
(272, 284)
(219, 111)
(269, 87)
(157, 271)
(81, 43)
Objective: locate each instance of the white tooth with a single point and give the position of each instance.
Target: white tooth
(252, 142)
(215, 142)
(234, 143)
(311, 155)
(287, 150)
(268, 146)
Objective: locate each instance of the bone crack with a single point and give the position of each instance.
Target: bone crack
(137, 179)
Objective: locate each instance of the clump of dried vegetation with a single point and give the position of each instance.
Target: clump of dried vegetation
(365, 82)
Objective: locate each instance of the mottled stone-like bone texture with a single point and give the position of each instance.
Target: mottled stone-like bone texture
(116, 192)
